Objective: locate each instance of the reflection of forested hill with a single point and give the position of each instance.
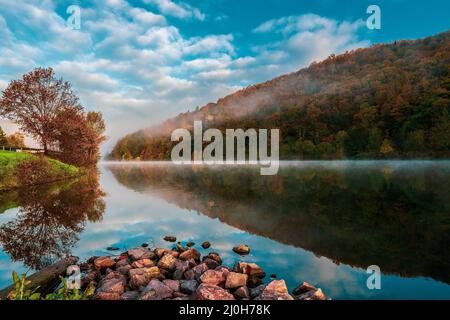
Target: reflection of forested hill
(385, 101)
(398, 218)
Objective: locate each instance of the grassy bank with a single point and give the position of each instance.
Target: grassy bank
(46, 170)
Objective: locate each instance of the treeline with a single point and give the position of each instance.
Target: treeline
(16, 139)
(387, 101)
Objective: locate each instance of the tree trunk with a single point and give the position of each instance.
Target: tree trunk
(46, 279)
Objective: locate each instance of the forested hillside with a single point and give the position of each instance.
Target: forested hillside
(387, 101)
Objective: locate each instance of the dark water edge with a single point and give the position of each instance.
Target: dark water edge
(322, 222)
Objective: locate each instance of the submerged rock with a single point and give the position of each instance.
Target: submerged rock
(170, 238)
(242, 249)
(206, 245)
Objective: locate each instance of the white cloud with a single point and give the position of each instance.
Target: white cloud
(179, 10)
(138, 69)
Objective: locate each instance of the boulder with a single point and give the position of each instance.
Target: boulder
(141, 253)
(104, 263)
(303, 288)
(143, 263)
(212, 264)
(122, 263)
(114, 282)
(188, 286)
(242, 249)
(316, 294)
(190, 244)
(213, 277)
(235, 280)
(277, 286)
(124, 270)
(255, 292)
(242, 293)
(254, 282)
(214, 256)
(199, 270)
(142, 276)
(159, 252)
(210, 292)
(190, 254)
(251, 269)
(167, 262)
(172, 284)
(162, 291)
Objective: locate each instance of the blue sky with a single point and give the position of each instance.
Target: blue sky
(141, 61)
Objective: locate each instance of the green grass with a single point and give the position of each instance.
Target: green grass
(10, 160)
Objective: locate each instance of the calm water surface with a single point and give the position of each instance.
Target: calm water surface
(321, 222)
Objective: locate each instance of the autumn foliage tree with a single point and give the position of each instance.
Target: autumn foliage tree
(34, 102)
(46, 108)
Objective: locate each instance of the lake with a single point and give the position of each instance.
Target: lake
(320, 222)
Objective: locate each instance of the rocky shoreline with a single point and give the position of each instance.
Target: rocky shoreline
(182, 274)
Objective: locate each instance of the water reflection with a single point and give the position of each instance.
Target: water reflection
(395, 215)
(50, 219)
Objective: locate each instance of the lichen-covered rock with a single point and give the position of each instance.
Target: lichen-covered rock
(235, 280)
(213, 277)
(167, 262)
(142, 276)
(104, 263)
(210, 292)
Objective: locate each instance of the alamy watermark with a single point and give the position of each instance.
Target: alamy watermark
(236, 142)
(74, 20)
(374, 20)
(374, 280)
